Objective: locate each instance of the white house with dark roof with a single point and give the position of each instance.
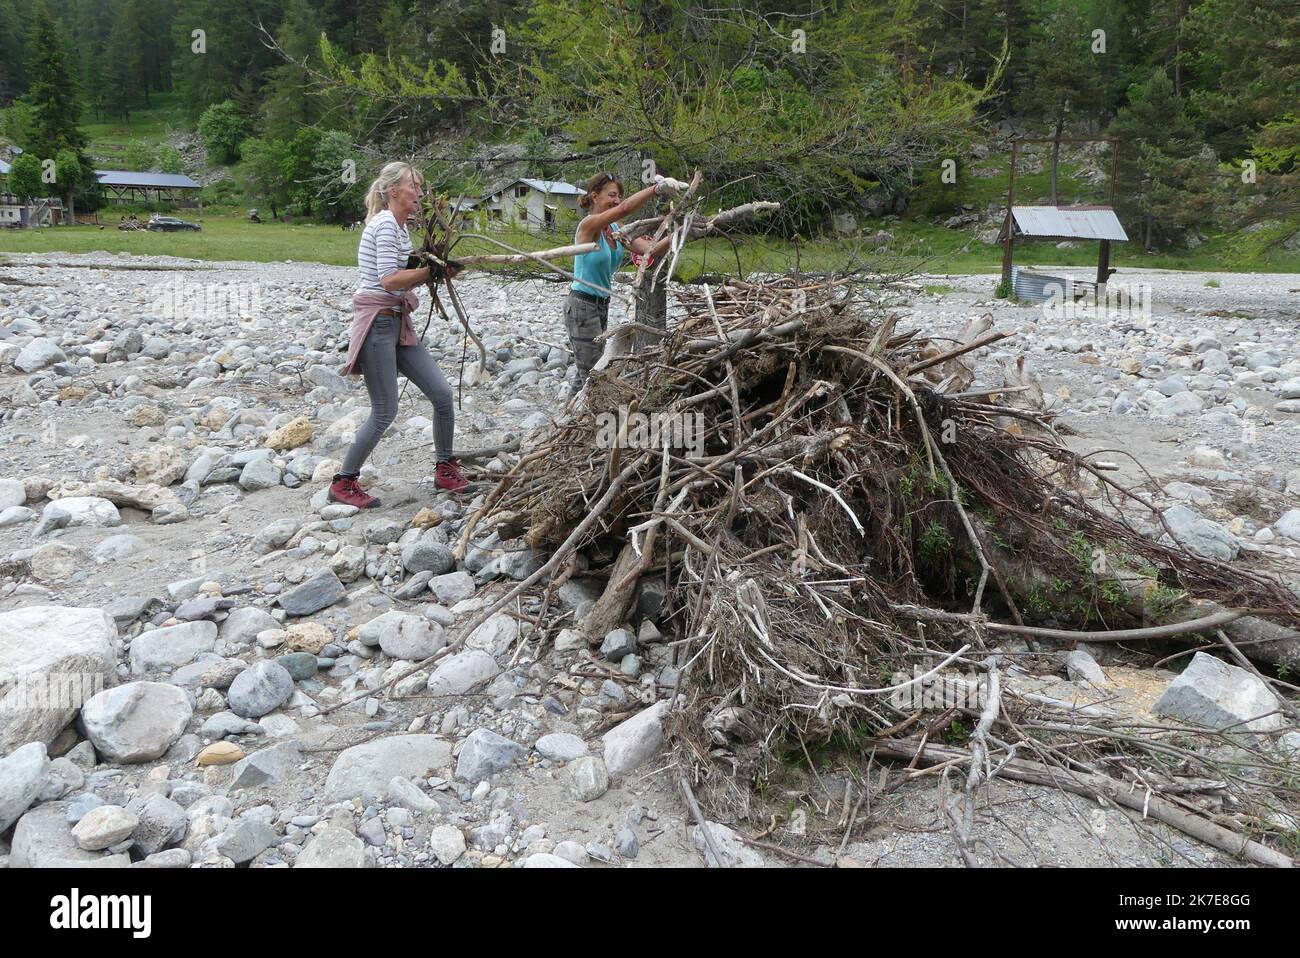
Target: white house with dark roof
(8, 211)
(533, 204)
(16, 211)
(11, 210)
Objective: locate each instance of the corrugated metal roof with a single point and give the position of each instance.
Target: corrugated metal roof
(1068, 222)
(554, 186)
(151, 180)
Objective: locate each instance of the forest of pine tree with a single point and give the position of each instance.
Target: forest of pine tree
(814, 103)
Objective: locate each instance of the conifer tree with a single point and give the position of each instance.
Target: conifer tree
(1167, 176)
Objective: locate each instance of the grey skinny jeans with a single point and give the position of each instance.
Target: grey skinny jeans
(381, 360)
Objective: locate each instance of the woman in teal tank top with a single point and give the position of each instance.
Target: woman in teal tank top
(586, 309)
(599, 265)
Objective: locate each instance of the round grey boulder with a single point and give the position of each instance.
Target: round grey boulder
(22, 775)
(37, 355)
(427, 557)
(259, 474)
(260, 689)
(411, 637)
(561, 747)
(485, 753)
(12, 493)
(136, 722)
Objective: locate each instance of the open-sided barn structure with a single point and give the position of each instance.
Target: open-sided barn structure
(121, 186)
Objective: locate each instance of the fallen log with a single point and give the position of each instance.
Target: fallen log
(610, 610)
(1098, 787)
(1262, 640)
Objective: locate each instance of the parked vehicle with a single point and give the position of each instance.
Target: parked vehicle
(170, 224)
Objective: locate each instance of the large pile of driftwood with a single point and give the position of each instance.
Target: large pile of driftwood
(851, 509)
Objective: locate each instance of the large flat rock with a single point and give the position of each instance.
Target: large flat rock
(364, 771)
(172, 646)
(136, 722)
(1214, 694)
(55, 658)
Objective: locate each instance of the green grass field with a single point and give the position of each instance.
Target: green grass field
(222, 238)
(917, 246)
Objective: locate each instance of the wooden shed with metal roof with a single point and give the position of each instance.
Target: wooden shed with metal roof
(1090, 223)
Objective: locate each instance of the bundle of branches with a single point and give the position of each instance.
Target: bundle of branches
(851, 506)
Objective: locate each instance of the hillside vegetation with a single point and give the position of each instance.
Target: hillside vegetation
(860, 117)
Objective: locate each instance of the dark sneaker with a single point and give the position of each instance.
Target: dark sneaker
(347, 491)
(447, 476)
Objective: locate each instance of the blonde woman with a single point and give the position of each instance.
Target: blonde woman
(586, 310)
(383, 341)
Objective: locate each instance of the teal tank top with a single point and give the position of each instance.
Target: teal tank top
(598, 266)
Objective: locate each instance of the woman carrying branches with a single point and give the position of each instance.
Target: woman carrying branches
(383, 340)
(586, 310)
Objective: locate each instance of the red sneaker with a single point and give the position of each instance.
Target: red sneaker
(347, 491)
(447, 476)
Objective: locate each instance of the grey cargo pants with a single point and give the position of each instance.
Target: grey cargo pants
(585, 319)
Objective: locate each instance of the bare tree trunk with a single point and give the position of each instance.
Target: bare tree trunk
(610, 610)
(964, 45)
(1056, 153)
(651, 310)
(1178, 47)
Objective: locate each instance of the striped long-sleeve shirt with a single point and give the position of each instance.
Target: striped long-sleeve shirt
(383, 250)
